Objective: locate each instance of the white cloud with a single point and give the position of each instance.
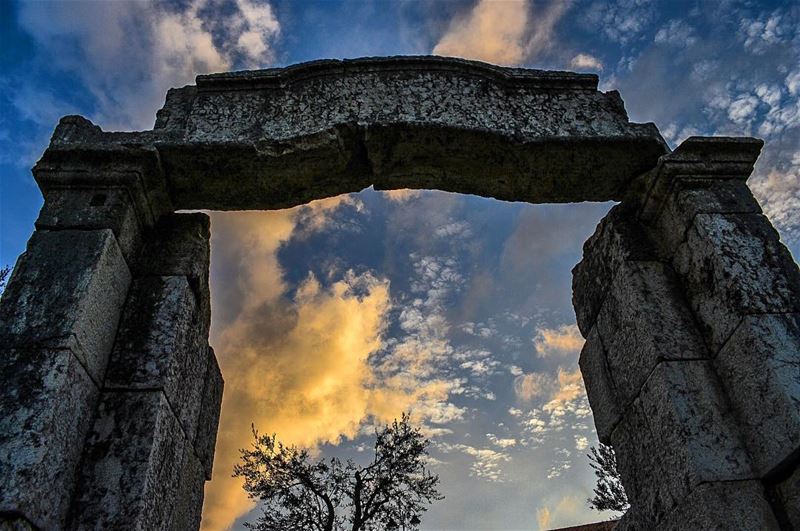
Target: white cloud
(584, 60)
(676, 33)
(767, 30)
(129, 53)
(621, 21)
(501, 442)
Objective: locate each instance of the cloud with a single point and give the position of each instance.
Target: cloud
(487, 463)
(527, 387)
(127, 54)
(676, 33)
(543, 518)
(402, 195)
(779, 194)
(621, 21)
(586, 61)
(568, 510)
(507, 32)
(295, 365)
(565, 340)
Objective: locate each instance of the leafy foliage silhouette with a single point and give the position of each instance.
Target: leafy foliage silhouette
(609, 494)
(300, 493)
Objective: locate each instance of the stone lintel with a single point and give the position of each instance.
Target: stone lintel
(723, 158)
(283, 78)
(282, 137)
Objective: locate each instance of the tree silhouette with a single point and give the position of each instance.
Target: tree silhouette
(300, 493)
(609, 494)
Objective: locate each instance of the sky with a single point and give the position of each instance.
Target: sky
(338, 315)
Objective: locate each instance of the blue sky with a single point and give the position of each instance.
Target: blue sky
(335, 315)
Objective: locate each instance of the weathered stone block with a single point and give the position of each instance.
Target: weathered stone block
(639, 460)
(67, 291)
(15, 523)
(693, 430)
(692, 196)
(206, 438)
(132, 464)
(618, 238)
(739, 505)
(760, 367)
(644, 320)
(179, 246)
(92, 209)
(159, 346)
(735, 265)
(189, 504)
(46, 404)
(788, 496)
(599, 386)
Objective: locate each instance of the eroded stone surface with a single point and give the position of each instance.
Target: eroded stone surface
(619, 237)
(288, 136)
(734, 265)
(132, 464)
(67, 291)
(644, 320)
(696, 434)
(206, 438)
(599, 386)
(44, 417)
(739, 505)
(788, 495)
(179, 246)
(158, 346)
(639, 460)
(760, 368)
(88, 208)
(690, 197)
(189, 504)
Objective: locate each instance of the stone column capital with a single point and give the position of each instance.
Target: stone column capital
(698, 158)
(75, 162)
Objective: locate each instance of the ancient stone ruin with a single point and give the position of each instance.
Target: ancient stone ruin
(110, 393)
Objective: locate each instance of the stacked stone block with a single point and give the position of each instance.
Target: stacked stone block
(146, 458)
(58, 321)
(111, 419)
(692, 359)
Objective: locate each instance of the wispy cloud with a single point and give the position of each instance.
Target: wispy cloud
(506, 33)
(127, 54)
(565, 340)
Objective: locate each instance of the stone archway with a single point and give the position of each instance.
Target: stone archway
(687, 298)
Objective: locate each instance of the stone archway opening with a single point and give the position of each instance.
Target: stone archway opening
(685, 294)
(471, 300)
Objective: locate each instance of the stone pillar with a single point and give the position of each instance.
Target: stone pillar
(150, 449)
(689, 304)
(58, 322)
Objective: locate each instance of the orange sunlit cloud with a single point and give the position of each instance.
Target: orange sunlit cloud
(297, 367)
